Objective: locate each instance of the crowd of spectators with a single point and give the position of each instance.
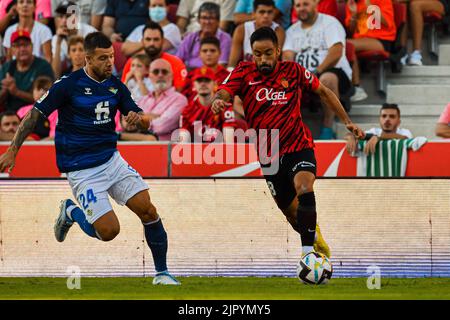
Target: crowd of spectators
(173, 54)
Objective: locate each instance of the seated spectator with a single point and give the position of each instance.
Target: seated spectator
(364, 36)
(264, 15)
(244, 12)
(41, 35)
(137, 79)
(130, 132)
(88, 11)
(417, 8)
(324, 6)
(122, 16)
(443, 125)
(76, 54)
(197, 122)
(9, 123)
(8, 13)
(210, 55)
(158, 13)
(17, 76)
(317, 42)
(152, 41)
(45, 128)
(164, 104)
(389, 129)
(64, 16)
(189, 49)
(188, 14)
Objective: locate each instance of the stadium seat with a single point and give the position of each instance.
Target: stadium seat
(381, 56)
(433, 18)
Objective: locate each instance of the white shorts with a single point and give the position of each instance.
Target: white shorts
(92, 186)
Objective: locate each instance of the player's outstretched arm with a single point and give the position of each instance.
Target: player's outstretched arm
(7, 160)
(220, 101)
(331, 100)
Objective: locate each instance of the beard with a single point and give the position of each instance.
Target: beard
(153, 51)
(307, 17)
(265, 69)
(161, 85)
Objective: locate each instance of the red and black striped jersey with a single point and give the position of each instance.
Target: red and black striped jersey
(273, 101)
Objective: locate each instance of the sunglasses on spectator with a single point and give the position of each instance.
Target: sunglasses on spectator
(164, 72)
(203, 80)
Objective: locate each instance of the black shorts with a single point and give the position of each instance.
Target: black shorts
(312, 100)
(281, 184)
(387, 45)
(345, 84)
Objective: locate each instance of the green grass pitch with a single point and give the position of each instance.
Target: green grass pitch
(222, 289)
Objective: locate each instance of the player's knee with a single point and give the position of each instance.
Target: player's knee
(150, 214)
(304, 187)
(109, 233)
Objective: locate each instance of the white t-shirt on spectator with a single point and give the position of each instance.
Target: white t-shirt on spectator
(39, 35)
(171, 34)
(311, 45)
(87, 8)
(83, 30)
(401, 131)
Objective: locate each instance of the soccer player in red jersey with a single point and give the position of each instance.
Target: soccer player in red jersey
(271, 91)
(197, 119)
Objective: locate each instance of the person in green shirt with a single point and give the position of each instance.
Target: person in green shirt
(17, 76)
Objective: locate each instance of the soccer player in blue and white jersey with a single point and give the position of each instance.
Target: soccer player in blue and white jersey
(87, 101)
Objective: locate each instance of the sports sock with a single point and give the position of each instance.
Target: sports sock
(307, 219)
(77, 215)
(156, 238)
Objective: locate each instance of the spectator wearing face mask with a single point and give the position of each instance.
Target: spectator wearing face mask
(158, 13)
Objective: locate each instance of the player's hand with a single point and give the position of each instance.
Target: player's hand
(132, 118)
(219, 105)
(7, 161)
(369, 148)
(357, 131)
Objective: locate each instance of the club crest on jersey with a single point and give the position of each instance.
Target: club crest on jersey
(270, 95)
(113, 90)
(87, 91)
(284, 83)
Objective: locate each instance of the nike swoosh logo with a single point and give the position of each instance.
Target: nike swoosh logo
(309, 230)
(252, 83)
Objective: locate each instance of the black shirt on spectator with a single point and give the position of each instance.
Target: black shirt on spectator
(128, 14)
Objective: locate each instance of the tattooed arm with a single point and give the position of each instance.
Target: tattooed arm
(7, 160)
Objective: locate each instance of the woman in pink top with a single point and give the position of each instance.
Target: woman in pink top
(45, 128)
